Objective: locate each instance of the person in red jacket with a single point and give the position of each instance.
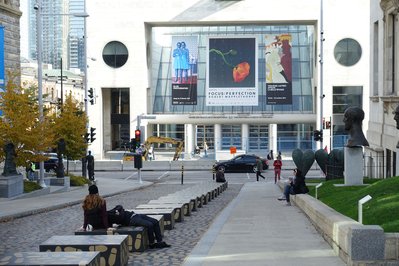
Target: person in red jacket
(277, 169)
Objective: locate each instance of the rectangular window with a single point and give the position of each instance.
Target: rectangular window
(343, 97)
(376, 38)
(231, 136)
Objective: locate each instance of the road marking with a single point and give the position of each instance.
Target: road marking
(163, 175)
(248, 175)
(130, 176)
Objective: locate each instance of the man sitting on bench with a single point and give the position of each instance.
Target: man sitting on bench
(118, 215)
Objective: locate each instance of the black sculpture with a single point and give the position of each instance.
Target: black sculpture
(10, 167)
(353, 117)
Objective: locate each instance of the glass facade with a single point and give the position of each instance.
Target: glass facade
(303, 62)
(343, 97)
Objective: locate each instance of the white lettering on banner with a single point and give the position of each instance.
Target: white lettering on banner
(232, 97)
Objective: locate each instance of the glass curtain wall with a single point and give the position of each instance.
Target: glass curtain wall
(343, 97)
(205, 133)
(120, 122)
(303, 63)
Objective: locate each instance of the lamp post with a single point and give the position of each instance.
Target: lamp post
(38, 8)
(39, 48)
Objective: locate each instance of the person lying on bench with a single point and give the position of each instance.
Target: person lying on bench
(119, 215)
(95, 210)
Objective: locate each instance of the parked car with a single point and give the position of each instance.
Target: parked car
(50, 164)
(241, 163)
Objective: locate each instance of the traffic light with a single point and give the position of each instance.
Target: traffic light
(318, 135)
(91, 96)
(137, 137)
(86, 137)
(92, 134)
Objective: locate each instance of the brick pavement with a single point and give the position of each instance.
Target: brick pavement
(25, 234)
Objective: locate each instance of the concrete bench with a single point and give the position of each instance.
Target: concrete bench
(187, 205)
(193, 201)
(178, 208)
(114, 249)
(52, 258)
(168, 216)
(137, 236)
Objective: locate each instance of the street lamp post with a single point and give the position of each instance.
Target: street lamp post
(84, 170)
(38, 8)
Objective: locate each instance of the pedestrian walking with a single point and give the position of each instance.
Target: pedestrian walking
(277, 169)
(259, 168)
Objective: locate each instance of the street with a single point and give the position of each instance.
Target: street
(25, 234)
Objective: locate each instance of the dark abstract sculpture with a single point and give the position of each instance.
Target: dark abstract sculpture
(10, 167)
(353, 117)
(303, 160)
(331, 164)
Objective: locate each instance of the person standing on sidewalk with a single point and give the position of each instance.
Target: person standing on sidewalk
(90, 165)
(259, 168)
(277, 169)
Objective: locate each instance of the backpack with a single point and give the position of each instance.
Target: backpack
(118, 215)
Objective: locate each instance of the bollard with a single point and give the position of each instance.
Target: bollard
(182, 173)
(213, 173)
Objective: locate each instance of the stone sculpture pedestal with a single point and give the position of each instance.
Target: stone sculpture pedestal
(353, 165)
(11, 186)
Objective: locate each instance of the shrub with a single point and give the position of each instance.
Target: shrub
(77, 181)
(30, 186)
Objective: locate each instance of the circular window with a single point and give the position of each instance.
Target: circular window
(115, 54)
(347, 52)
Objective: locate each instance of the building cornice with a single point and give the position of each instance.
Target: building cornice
(11, 9)
(387, 5)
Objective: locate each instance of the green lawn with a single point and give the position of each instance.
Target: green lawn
(382, 209)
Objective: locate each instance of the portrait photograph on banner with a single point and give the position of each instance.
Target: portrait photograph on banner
(232, 71)
(278, 69)
(184, 70)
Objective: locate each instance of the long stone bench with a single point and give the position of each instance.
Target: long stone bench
(355, 243)
(168, 216)
(137, 236)
(179, 209)
(52, 258)
(114, 249)
(188, 204)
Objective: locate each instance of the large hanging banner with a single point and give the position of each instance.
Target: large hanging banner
(278, 69)
(2, 76)
(232, 71)
(184, 70)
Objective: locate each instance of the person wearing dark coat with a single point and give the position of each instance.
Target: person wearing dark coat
(295, 186)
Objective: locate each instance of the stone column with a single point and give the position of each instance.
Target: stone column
(353, 165)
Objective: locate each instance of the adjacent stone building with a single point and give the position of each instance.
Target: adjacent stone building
(381, 157)
(9, 19)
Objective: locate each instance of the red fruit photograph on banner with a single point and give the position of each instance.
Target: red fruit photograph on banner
(232, 71)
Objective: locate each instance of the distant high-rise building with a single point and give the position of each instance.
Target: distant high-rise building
(76, 35)
(55, 22)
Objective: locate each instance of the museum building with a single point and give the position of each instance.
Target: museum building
(254, 75)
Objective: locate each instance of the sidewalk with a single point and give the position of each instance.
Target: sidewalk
(15, 208)
(257, 229)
